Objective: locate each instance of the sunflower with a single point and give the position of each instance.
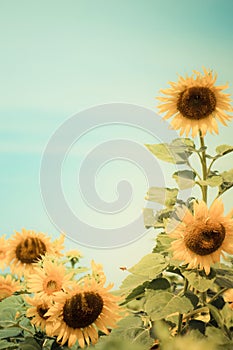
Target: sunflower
(49, 278)
(201, 237)
(37, 313)
(196, 103)
(78, 314)
(26, 248)
(8, 286)
(97, 272)
(4, 246)
(73, 254)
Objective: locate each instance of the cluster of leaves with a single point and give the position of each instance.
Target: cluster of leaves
(17, 332)
(169, 306)
(179, 152)
(160, 306)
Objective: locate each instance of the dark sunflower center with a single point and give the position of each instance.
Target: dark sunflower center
(30, 249)
(205, 239)
(42, 309)
(52, 285)
(196, 102)
(82, 309)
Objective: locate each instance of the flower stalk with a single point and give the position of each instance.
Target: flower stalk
(204, 167)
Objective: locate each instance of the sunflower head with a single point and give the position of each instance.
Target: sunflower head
(8, 286)
(49, 278)
(78, 314)
(26, 248)
(195, 103)
(201, 237)
(37, 312)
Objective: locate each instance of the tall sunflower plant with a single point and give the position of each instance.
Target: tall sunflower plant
(181, 294)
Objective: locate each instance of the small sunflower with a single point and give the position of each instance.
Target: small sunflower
(97, 272)
(37, 312)
(196, 103)
(49, 278)
(71, 254)
(201, 237)
(78, 314)
(8, 286)
(4, 247)
(26, 248)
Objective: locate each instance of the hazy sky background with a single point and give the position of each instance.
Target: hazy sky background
(61, 57)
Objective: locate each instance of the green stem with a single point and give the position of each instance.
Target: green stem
(217, 294)
(197, 311)
(203, 297)
(180, 318)
(180, 321)
(210, 166)
(194, 170)
(204, 167)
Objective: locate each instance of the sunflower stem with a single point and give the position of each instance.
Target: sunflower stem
(180, 318)
(203, 297)
(204, 167)
(217, 295)
(180, 321)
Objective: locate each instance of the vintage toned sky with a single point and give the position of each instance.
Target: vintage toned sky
(59, 58)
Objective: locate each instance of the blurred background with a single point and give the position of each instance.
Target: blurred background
(59, 58)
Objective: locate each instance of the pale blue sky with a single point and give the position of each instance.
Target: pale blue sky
(60, 57)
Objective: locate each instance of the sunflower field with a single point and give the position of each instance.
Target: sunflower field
(178, 296)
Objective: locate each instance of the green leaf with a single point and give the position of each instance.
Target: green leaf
(8, 317)
(8, 309)
(163, 243)
(150, 266)
(114, 343)
(165, 196)
(219, 338)
(227, 175)
(184, 178)
(227, 314)
(159, 304)
(192, 297)
(163, 152)
(158, 283)
(227, 182)
(223, 282)
(29, 344)
(212, 181)
(133, 329)
(137, 292)
(216, 314)
(224, 277)
(224, 149)
(157, 220)
(150, 220)
(155, 284)
(132, 281)
(5, 345)
(199, 280)
(177, 152)
(10, 332)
